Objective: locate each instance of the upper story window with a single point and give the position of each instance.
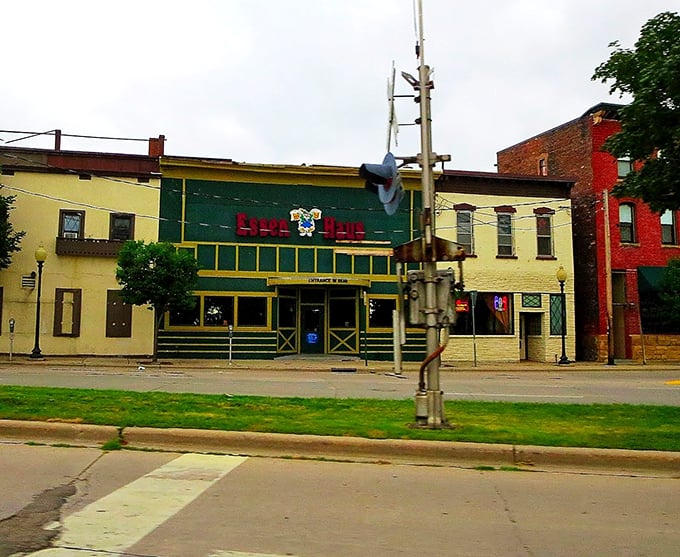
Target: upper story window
(122, 226)
(465, 227)
(71, 223)
(625, 166)
(505, 234)
(627, 223)
(544, 239)
(668, 228)
(542, 166)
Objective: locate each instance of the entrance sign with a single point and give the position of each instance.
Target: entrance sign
(318, 281)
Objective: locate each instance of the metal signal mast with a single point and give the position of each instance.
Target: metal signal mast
(429, 290)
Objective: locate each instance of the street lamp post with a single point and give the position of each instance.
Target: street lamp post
(40, 256)
(561, 278)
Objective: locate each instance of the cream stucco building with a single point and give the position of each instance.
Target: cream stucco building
(81, 206)
(516, 231)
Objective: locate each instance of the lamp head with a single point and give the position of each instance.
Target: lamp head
(40, 254)
(561, 274)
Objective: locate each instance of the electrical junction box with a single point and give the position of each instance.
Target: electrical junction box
(444, 282)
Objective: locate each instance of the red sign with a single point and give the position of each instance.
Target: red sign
(252, 226)
(338, 230)
(278, 228)
(462, 306)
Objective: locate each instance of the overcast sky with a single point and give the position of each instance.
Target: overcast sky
(305, 81)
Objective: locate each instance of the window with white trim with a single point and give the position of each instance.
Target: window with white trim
(544, 237)
(625, 166)
(504, 231)
(71, 224)
(669, 234)
(465, 227)
(627, 223)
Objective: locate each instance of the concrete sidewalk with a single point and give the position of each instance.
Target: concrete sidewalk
(340, 364)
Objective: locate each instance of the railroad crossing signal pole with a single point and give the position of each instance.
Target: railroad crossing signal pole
(435, 409)
(429, 249)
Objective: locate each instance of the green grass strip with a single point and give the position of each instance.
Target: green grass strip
(569, 425)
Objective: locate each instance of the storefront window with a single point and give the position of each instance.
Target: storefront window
(287, 315)
(252, 311)
(218, 310)
(187, 317)
(342, 313)
(380, 312)
(493, 315)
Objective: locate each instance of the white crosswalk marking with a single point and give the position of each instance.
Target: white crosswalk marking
(118, 521)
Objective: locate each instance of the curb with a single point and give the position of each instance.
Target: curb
(56, 432)
(354, 449)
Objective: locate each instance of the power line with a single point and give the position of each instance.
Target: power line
(442, 204)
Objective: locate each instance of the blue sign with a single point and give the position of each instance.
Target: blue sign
(312, 338)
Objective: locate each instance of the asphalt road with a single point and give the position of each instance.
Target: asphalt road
(82, 501)
(633, 385)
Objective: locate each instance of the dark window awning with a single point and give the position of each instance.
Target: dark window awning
(649, 278)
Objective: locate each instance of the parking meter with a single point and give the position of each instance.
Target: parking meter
(231, 334)
(12, 323)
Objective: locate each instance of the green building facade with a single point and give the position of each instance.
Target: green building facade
(293, 259)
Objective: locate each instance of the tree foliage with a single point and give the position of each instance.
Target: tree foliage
(650, 73)
(669, 293)
(9, 238)
(158, 275)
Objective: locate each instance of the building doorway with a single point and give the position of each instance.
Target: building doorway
(312, 328)
(314, 320)
(531, 341)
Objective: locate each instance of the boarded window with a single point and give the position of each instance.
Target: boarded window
(118, 316)
(67, 308)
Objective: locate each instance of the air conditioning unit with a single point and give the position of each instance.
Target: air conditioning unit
(70, 235)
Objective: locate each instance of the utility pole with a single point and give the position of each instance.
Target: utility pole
(608, 279)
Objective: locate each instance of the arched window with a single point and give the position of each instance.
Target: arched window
(627, 223)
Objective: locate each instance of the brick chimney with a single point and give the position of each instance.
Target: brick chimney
(157, 146)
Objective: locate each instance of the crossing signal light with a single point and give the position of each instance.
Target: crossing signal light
(385, 181)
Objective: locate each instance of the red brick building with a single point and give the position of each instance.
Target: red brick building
(641, 241)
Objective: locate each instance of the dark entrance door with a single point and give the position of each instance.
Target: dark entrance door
(313, 332)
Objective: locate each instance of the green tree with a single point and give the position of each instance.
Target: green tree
(650, 73)
(158, 275)
(9, 238)
(669, 294)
